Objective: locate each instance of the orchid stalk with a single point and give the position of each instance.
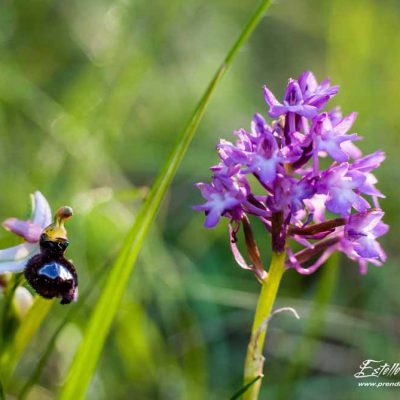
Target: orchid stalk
(323, 210)
(254, 362)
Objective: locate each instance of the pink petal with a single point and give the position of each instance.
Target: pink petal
(346, 123)
(29, 231)
(270, 98)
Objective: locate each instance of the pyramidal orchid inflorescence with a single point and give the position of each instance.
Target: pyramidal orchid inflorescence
(324, 209)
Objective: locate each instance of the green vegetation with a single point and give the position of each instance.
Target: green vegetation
(93, 97)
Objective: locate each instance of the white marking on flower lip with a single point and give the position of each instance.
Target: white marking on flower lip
(55, 270)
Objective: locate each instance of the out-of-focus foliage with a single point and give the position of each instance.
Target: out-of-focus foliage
(92, 96)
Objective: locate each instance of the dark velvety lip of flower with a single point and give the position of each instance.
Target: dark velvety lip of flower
(283, 157)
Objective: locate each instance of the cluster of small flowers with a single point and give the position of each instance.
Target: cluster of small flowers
(298, 196)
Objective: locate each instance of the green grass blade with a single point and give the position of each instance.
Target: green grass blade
(87, 355)
(29, 326)
(2, 396)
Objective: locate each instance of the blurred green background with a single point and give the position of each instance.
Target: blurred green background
(93, 94)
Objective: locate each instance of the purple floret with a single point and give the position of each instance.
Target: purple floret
(295, 197)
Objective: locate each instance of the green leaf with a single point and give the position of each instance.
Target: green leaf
(87, 355)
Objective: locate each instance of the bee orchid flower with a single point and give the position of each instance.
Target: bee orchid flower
(41, 257)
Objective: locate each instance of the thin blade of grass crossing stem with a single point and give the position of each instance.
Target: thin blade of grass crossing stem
(87, 355)
(245, 387)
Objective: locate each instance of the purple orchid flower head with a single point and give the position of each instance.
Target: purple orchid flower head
(295, 197)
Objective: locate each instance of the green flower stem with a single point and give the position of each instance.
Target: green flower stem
(254, 358)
